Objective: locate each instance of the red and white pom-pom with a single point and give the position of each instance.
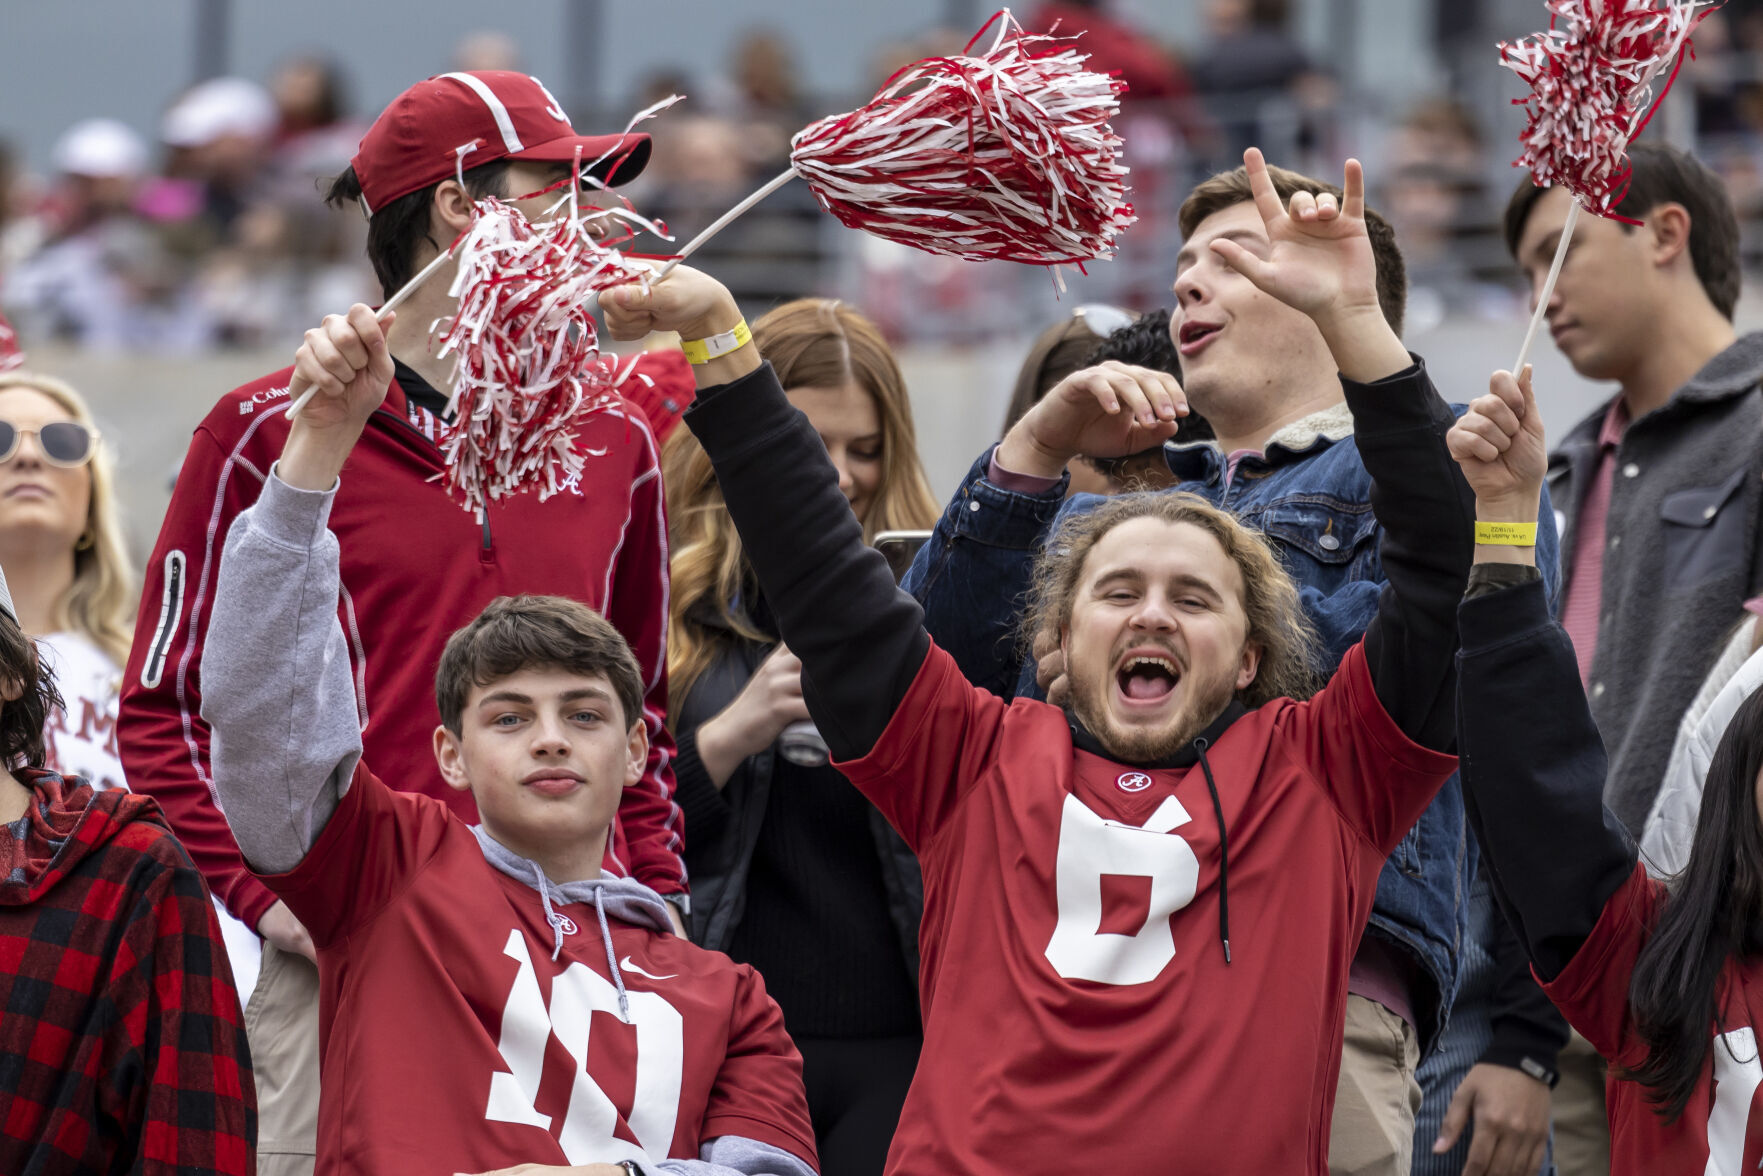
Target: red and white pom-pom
(1591, 78)
(11, 356)
(527, 365)
(1007, 154)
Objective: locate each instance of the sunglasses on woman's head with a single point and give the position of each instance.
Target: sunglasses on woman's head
(62, 443)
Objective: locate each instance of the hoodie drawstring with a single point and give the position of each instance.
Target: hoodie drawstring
(624, 1002)
(1200, 746)
(543, 886)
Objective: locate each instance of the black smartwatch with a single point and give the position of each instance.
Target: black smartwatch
(1538, 1071)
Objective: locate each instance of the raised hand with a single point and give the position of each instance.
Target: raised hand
(1319, 261)
(690, 302)
(1318, 258)
(1499, 445)
(1110, 410)
(348, 366)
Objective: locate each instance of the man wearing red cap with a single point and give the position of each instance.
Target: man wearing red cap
(416, 567)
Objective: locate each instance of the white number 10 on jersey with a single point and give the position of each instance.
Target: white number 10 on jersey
(1091, 847)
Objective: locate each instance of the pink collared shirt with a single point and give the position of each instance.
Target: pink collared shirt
(1585, 587)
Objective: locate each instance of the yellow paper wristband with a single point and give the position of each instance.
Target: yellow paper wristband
(701, 351)
(1507, 534)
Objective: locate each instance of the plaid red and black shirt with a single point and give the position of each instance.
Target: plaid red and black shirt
(122, 1047)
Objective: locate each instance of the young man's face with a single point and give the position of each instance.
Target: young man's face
(1236, 343)
(1603, 310)
(525, 178)
(546, 753)
(1157, 641)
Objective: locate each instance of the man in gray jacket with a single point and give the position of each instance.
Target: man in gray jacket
(1660, 488)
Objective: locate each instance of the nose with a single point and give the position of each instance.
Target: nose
(548, 739)
(842, 463)
(29, 452)
(1153, 615)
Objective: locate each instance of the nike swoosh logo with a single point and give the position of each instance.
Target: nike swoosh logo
(625, 965)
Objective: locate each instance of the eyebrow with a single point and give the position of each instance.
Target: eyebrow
(575, 695)
(1186, 581)
(1544, 250)
(1188, 252)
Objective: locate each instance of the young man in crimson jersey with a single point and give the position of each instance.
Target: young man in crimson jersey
(1139, 915)
(415, 566)
(490, 995)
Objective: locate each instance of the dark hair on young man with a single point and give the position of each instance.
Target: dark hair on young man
(1227, 189)
(1709, 918)
(1665, 175)
(1145, 343)
(21, 720)
(516, 633)
(394, 232)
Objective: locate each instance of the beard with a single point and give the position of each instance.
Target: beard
(1203, 701)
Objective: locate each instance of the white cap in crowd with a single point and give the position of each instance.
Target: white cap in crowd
(101, 148)
(216, 109)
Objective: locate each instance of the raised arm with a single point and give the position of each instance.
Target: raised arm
(973, 576)
(1532, 762)
(280, 703)
(861, 640)
(1318, 259)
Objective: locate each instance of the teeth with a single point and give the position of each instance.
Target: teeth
(1162, 663)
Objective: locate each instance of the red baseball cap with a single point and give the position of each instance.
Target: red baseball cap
(498, 114)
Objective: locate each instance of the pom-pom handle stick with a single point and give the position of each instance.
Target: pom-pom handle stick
(392, 303)
(722, 222)
(1536, 318)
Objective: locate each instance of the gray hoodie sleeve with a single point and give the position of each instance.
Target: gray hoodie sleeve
(277, 690)
(734, 1155)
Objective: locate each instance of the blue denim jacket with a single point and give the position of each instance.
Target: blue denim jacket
(1311, 494)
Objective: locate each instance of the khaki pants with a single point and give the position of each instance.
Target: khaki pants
(281, 1024)
(1377, 1097)
(1582, 1124)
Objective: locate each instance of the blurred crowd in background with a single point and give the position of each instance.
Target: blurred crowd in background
(214, 234)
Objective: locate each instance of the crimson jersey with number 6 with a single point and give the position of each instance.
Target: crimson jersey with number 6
(1719, 1130)
(452, 1041)
(1078, 1009)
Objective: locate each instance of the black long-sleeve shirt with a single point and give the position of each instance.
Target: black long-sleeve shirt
(1533, 776)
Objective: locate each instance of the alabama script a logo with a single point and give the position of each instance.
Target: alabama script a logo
(586, 1132)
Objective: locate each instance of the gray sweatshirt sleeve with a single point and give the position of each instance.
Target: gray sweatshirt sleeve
(734, 1155)
(277, 691)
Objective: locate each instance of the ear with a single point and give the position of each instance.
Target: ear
(450, 755)
(1248, 665)
(637, 753)
(1669, 225)
(450, 212)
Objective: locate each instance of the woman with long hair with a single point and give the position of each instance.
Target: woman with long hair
(792, 870)
(62, 549)
(1663, 977)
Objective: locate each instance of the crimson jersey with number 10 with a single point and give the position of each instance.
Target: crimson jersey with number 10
(452, 1041)
(1079, 1012)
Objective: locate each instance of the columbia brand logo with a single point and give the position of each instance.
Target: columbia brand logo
(1133, 781)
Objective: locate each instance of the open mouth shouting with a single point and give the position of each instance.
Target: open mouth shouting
(1145, 679)
(1195, 336)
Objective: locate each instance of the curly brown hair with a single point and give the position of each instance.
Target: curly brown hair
(1277, 624)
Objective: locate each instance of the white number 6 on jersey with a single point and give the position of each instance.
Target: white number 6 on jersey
(1090, 847)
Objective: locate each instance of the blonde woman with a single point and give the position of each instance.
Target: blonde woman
(63, 554)
(792, 870)
(61, 548)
